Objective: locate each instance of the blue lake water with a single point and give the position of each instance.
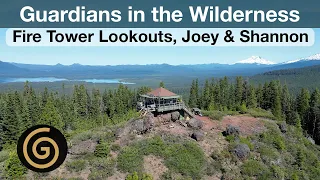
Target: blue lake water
(53, 79)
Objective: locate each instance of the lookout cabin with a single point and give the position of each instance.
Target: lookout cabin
(160, 100)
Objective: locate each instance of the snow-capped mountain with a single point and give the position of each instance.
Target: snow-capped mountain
(315, 57)
(256, 60)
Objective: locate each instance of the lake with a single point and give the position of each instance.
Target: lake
(53, 79)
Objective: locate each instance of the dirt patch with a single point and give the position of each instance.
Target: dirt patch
(208, 124)
(118, 176)
(173, 128)
(153, 165)
(248, 125)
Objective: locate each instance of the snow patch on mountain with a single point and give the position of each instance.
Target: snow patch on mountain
(315, 57)
(256, 60)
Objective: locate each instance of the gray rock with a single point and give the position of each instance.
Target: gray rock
(198, 135)
(311, 140)
(148, 123)
(283, 127)
(232, 130)
(175, 116)
(141, 126)
(195, 123)
(138, 126)
(242, 151)
(83, 147)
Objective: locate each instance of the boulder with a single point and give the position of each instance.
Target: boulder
(83, 147)
(242, 151)
(232, 130)
(148, 123)
(141, 126)
(311, 139)
(198, 135)
(138, 126)
(165, 118)
(175, 116)
(195, 123)
(283, 127)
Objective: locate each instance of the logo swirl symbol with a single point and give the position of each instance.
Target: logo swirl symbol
(42, 148)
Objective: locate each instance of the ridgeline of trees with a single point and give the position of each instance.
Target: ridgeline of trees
(82, 110)
(302, 110)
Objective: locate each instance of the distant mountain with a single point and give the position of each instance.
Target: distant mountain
(256, 60)
(10, 69)
(315, 57)
(248, 67)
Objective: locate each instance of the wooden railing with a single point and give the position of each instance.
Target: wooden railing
(169, 106)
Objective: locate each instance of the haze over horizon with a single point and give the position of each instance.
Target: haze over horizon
(150, 55)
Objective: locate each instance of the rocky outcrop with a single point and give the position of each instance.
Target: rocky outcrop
(83, 147)
(198, 135)
(195, 123)
(175, 116)
(242, 151)
(283, 127)
(232, 130)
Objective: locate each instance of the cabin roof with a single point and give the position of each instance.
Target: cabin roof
(161, 92)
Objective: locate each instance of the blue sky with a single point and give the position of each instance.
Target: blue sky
(149, 55)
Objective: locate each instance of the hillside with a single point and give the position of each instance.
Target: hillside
(243, 135)
(258, 149)
(296, 78)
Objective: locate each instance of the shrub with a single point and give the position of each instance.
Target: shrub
(4, 155)
(252, 168)
(268, 154)
(101, 168)
(154, 146)
(243, 109)
(215, 115)
(187, 159)
(230, 138)
(102, 150)
(76, 165)
(278, 173)
(136, 176)
(115, 147)
(258, 112)
(274, 138)
(13, 167)
(130, 160)
(247, 142)
(180, 156)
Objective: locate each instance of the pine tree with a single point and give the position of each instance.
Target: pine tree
(239, 90)
(252, 98)
(25, 118)
(10, 125)
(314, 130)
(303, 107)
(286, 101)
(50, 116)
(206, 95)
(196, 91)
(193, 96)
(259, 94)
(161, 84)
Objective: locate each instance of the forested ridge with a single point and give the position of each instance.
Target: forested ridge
(301, 110)
(82, 112)
(20, 110)
(79, 111)
(295, 79)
